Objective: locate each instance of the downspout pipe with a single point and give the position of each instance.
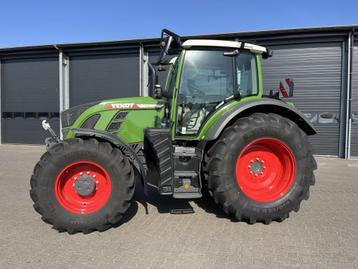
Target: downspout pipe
(349, 95)
(0, 105)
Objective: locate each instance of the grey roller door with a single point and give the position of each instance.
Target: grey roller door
(317, 70)
(354, 137)
(29, 95)
(101, 77)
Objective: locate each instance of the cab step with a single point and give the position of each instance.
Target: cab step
(187, 195)
(174, 170)
(182, 211)
(186, 185)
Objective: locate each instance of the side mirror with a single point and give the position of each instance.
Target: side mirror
(157, 91)
(286, 87)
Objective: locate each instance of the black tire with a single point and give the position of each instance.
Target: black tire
(70, 151)
(220, 163)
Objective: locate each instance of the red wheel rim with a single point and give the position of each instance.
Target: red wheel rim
(70, 198)
(265, 169)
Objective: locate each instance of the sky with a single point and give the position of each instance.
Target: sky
(26, 23)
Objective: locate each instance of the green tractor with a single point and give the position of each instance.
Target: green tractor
(210, 128)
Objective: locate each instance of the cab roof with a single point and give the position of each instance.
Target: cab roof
(223, 44)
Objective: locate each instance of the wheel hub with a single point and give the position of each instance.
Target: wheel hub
(85, 185)
(256, 167)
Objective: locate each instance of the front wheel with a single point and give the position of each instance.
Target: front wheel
(261, 168)
(82, 185)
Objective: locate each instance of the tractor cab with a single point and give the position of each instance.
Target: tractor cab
(205, 76)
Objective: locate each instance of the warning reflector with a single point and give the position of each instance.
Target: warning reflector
(286, 87)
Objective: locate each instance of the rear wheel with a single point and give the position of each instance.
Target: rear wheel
(261, 168)
(82, 185)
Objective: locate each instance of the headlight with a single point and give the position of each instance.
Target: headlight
(69, 116)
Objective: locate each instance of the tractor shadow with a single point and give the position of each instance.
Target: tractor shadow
(209, 206)
(167, 204)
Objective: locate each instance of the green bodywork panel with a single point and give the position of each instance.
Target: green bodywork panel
(138, 119)
(132, 126)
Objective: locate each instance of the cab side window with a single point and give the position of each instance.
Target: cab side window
(246, 74)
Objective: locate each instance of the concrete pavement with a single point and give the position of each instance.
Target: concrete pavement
(323, 234)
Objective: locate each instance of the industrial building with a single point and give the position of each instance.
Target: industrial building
(39, 82)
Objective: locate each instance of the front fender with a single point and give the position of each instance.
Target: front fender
(264, 105)
(111, 138)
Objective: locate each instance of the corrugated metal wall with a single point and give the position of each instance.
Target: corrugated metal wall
(29, 95)
(317, 62)
(354, 137)
(98, 77)
(317, 72)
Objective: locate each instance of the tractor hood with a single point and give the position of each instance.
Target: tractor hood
(76, 114)
(125, 118)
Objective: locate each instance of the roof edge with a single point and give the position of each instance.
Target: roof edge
(151, 41)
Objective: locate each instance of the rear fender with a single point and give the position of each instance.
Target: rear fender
(264, 105)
